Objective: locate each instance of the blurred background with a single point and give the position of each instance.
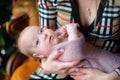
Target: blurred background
(15, 15)
(6, 41)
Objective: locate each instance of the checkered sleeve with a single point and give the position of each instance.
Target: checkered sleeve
(47, 12)
(118, 71)
(39, 75)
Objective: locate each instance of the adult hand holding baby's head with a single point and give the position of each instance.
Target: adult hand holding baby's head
(53, 65)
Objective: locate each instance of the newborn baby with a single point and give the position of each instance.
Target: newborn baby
(40, 43)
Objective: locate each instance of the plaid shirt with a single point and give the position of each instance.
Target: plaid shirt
(105, 33)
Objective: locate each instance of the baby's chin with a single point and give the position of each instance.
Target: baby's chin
(57, 40)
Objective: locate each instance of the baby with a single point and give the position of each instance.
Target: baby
(41, 42)
(38, 42)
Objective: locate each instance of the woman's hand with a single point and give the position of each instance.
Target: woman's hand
(53, 65)
(93, 74)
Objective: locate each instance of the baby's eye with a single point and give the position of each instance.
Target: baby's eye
(37, 42)
(41, 30)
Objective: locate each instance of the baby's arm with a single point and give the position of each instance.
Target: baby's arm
(69, 31)
(72, 31)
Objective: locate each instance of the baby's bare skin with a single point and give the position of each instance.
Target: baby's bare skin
(98, 59)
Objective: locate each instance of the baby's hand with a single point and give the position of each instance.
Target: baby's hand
(63, 31)
(72, 28)
(72, 31)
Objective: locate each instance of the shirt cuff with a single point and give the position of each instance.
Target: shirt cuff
(118, 71)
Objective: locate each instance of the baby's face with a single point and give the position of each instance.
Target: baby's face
(40, 40)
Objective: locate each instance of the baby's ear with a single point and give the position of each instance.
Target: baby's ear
(37, 55)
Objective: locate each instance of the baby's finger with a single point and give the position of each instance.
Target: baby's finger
(77, 25)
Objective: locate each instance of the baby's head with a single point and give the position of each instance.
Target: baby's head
(37, 42)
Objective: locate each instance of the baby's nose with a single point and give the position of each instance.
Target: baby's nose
(44, 36)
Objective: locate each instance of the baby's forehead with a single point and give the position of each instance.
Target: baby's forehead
(33, 28)
(30, 30)
(29, 34)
